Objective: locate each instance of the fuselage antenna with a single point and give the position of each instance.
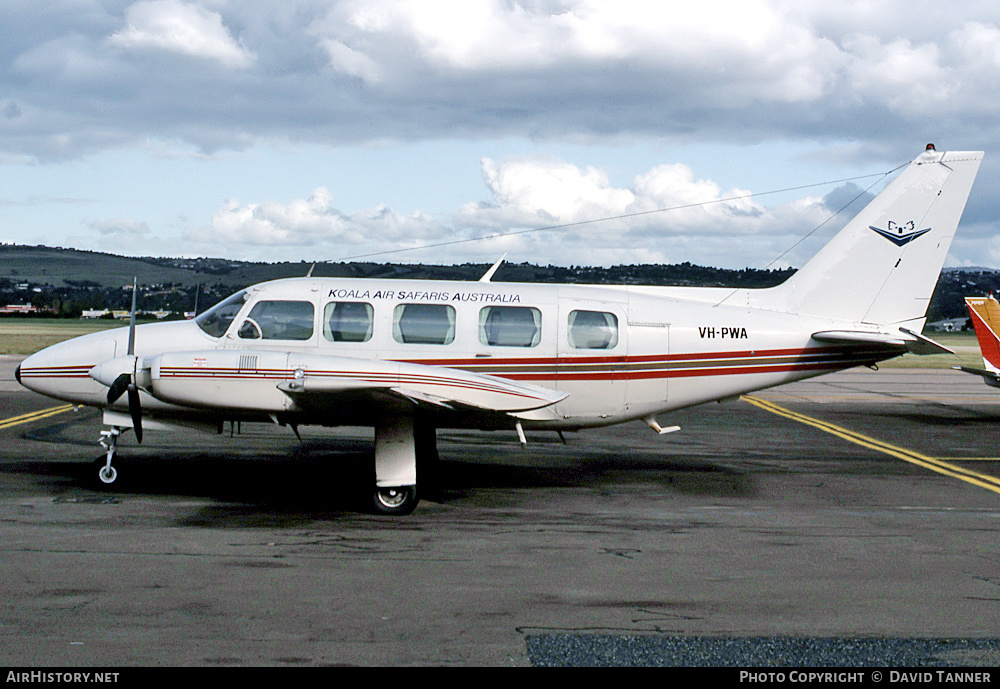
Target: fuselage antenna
(489, 273)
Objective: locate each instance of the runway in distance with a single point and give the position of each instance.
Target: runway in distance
(985, 315)
(408, 357)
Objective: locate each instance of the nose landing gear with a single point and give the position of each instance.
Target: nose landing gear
(109, 441)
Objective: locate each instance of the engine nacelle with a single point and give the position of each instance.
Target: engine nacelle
(222, 379)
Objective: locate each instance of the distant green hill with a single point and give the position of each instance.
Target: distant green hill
(68, 280)
(41, 265)
(59, 268)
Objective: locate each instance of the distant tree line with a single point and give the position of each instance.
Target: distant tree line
(74, 296)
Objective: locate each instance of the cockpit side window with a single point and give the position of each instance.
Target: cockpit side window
(216, 320)
(278, 320)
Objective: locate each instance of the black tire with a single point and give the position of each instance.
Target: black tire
(94, 475)
(395, 501)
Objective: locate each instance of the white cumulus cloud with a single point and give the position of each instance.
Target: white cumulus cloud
(859, 84)
(312, 222)
(666, 214)
(183, 28)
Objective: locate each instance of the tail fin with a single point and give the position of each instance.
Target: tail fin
(985, 313)
(882, 267)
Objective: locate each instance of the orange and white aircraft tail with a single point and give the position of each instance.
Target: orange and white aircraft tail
(985, 313)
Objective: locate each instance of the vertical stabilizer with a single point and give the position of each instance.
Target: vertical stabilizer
(985, 313)
(882, 267)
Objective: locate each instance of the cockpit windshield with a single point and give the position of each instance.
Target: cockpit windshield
(216, 320)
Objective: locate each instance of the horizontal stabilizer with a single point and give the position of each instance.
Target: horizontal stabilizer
(859, 337)
(924, 345)
(907, 340)
(989, 377)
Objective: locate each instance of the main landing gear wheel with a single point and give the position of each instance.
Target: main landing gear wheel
(395, 501)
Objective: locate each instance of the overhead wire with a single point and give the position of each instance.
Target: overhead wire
(637, 214)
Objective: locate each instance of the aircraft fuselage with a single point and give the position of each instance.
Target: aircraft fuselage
(617, 353)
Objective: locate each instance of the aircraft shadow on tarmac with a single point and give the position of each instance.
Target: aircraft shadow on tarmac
(975, 420)
(319, 478)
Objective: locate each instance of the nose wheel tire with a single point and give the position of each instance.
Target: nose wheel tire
(394, 501)
(107, 474)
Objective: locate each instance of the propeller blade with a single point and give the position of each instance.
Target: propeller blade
(131, 318)
(118, 387)
(136, 411)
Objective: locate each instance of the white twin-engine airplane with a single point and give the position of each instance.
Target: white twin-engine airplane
(408, 357)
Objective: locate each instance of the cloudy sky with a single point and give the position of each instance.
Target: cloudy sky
(333, 129)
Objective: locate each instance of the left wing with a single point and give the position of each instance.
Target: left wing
(422, 384)
(274, 381)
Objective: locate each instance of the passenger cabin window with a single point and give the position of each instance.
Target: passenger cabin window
(423, 324)
(510, 326)
(348, 321)
(278, 320)
(216, 320)
(593, 330)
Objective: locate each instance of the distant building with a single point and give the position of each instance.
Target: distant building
(123, 314)
(20, 308)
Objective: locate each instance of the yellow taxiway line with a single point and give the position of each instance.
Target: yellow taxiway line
(934, 464)
(34, 416)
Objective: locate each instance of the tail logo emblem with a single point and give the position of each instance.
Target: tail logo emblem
(900, 234)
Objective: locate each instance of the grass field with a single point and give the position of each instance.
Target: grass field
(966, 348)
(23, 336)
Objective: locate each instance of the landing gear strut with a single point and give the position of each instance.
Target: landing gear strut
(395, 490)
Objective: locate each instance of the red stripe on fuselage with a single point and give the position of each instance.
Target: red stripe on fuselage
(566, 368)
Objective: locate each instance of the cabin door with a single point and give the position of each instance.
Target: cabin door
(648, 367)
